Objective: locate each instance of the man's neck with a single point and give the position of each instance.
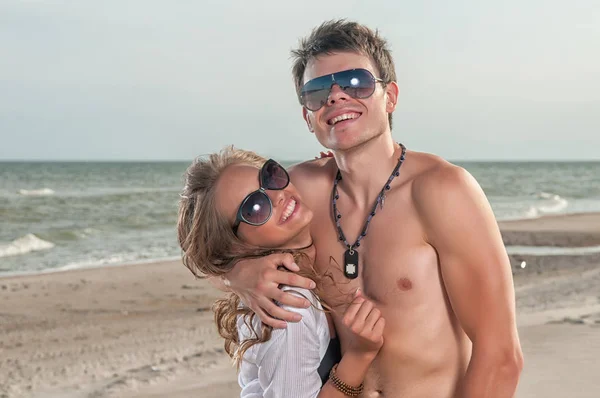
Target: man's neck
(365, 169)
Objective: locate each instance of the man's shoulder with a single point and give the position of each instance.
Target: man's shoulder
(437, 178)
(313, 179)
(441, 188)
(320, 169)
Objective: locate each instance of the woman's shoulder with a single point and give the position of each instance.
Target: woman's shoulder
(310, 315)
(294, 350)
(313, 321)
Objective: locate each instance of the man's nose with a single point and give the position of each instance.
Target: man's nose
(336, 94)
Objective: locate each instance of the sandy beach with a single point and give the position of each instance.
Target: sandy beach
(146, 330)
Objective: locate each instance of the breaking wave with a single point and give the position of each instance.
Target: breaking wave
(550, 204)
(23, 245)
(36, 192)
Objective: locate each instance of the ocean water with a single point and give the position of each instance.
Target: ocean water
(68, 215)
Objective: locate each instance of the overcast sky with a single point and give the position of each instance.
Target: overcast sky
(144, 79)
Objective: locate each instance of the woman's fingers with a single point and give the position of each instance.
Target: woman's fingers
(361, 316)
(372, 318)
(352, 310)
(379, 327)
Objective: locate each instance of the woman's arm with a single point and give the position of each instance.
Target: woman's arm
(366, 324)
(352, 370)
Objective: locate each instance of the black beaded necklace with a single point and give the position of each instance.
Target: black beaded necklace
(351, 255)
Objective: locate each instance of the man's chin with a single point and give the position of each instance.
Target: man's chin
(345, 141)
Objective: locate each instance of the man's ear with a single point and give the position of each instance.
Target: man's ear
(392, 91)
(306, 118)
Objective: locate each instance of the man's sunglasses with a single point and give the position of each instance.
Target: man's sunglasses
(256, 208)
(357, 83)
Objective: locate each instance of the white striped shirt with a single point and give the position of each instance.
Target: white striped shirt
(286, 365)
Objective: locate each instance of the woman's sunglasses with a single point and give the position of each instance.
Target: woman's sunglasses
(357, 83)
(256, 208)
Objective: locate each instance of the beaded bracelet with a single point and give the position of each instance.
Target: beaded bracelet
(343, 387)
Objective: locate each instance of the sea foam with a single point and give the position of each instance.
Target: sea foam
(550, 204)
(23, 245)
(36, 192)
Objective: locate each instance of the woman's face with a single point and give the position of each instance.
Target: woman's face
(290, 218)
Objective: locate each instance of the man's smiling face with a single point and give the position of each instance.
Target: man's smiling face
(345, 122)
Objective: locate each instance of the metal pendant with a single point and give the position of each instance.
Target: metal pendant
(351, 264)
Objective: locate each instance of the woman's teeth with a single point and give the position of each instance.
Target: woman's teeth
(288, 210)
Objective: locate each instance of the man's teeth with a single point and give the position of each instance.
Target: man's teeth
(345, 116)
(289, 210)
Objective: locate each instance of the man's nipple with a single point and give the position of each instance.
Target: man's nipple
(404, 284)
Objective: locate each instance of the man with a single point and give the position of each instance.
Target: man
(414, 233)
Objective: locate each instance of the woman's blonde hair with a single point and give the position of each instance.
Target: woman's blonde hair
(210, 247)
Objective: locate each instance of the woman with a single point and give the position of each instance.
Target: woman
(234, 205)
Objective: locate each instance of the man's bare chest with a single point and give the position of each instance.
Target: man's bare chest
(394, 263)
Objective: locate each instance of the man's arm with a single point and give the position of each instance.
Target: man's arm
(256, 282)
(461, 226)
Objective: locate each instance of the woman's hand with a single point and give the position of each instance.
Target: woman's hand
(367, 324)
(256, 282)
(364, 321)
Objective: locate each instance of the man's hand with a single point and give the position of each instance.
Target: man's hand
(256, 282)
(327, 154)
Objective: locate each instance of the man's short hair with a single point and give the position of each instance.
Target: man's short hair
(344, 36)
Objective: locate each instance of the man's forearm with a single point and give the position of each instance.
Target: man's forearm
(491, 377)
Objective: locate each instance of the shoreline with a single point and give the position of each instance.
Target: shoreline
(17, 274)
(569, 231)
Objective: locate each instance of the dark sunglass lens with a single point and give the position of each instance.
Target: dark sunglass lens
(315, 92)
(256, 209)
(313, 101)
(358, 83)
(274, 176)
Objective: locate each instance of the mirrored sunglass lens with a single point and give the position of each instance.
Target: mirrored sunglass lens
(359, 83)
(274, 176)
(257, 208)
